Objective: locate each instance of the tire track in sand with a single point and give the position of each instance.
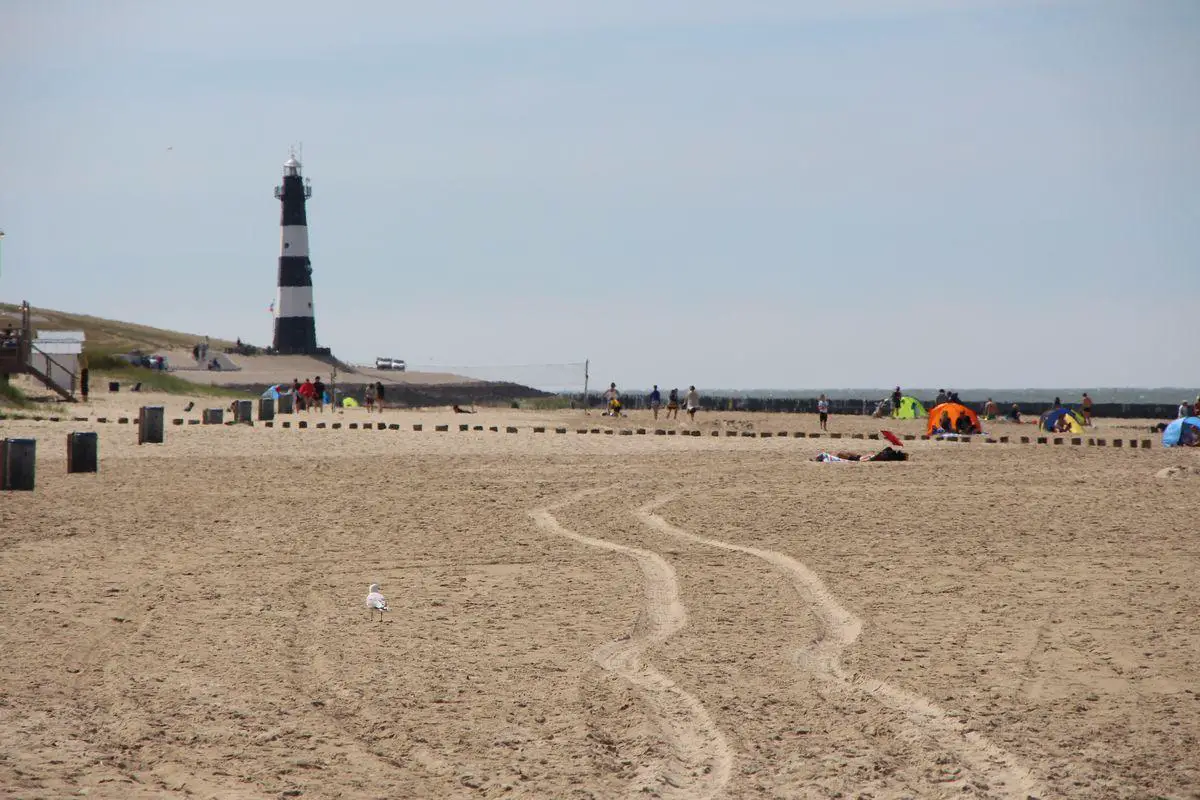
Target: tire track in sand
(702, 760)
(839, 629)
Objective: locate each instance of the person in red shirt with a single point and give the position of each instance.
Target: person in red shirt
(309, 393)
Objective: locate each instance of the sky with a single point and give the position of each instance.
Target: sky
(782, 194)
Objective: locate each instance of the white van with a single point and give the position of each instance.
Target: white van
(390, 363)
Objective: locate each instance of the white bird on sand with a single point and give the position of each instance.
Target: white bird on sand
(376, 601)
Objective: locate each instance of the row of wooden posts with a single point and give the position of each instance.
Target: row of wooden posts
(18, 457)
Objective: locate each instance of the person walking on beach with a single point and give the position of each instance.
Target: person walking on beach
(655, 400)
(896, 397)
(990, 409)
(1087, 409)
(379, 396)
(673, 404)
(319, 394)
(693, 402)
(306, 393)
(823, 412)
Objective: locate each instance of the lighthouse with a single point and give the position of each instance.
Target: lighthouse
(295, 326)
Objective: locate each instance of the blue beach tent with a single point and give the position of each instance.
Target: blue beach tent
(1182, 432)
(1049, 420)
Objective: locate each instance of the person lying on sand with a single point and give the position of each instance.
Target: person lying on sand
(459, 410)
(886, 454)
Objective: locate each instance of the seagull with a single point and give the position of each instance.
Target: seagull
(376, 601)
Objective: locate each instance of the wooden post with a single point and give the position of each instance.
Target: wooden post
(150, 425)
(266, 408)
(18, 462)
(82, 447)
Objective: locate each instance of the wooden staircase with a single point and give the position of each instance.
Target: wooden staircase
(20, 356)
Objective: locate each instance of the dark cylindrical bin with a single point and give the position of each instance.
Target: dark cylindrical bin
(152, 425)
(266, 408)
(18, 459)
(287, 404)
(114, 386)
(214, 416)
(83, 451)
(243, 411)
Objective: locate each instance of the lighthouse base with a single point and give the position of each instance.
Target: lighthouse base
(297, 336)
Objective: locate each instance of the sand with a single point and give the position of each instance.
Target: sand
(596, 615)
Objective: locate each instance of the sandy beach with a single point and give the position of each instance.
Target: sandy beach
(596, 616)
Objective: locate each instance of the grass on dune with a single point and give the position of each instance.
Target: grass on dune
(12, 396)
(154, 381)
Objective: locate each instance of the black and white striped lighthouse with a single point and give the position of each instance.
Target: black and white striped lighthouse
(295, 326)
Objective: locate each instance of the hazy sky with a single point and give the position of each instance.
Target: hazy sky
(736, 194)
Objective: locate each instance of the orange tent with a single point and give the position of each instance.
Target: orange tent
(953, 411)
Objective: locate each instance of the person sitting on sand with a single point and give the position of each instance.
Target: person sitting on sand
(963, 425)
(990, 409)
(1014, 413)
(944, 422)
